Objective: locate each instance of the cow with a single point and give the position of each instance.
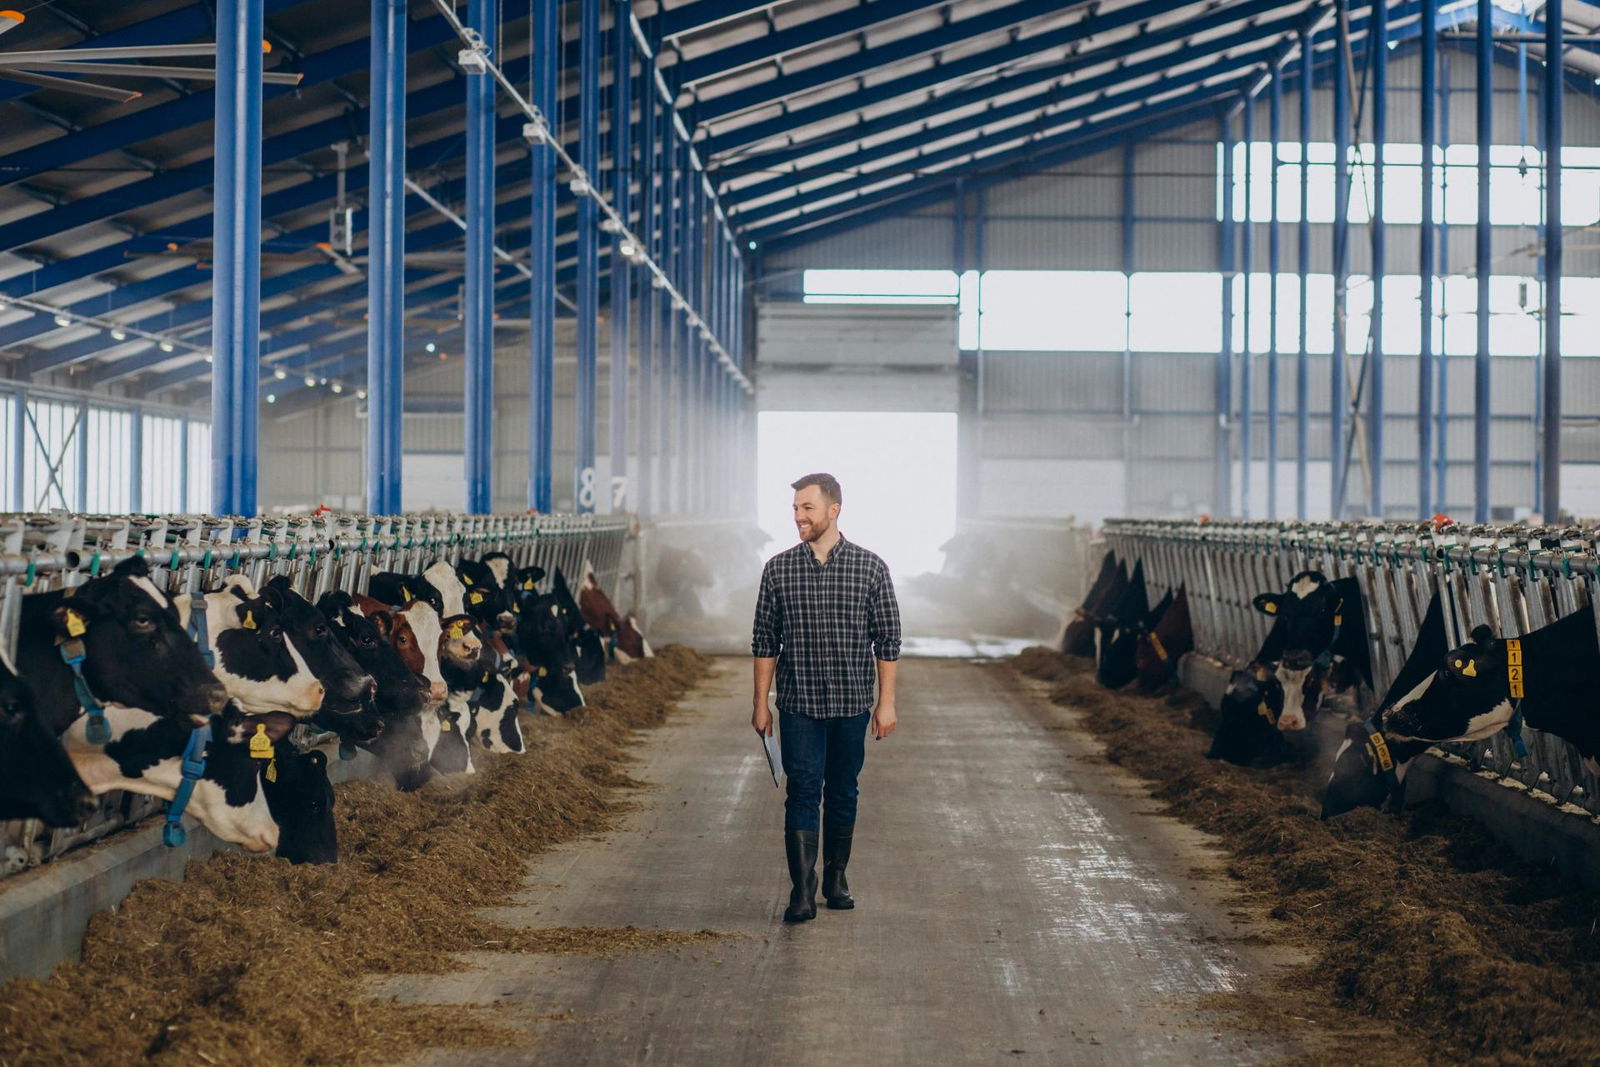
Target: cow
(452, 591)
(1119, 661)
(37, 780)
(300, 799)
(256, 662)
(1369, 769)
(349, 708)
(1546, 676)
(621, 632)
(1247, 731)
(543, 640)
(422, 623)
(1163, 645)
(1078, 637)
(135, 650)
(588, 651)
(145, 755)
(445, 731)
(494, 723)
(494, 602)
(402, 590)
(1316, 622)
(401, 690)
(1117, 630)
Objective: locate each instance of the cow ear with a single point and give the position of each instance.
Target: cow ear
(332, 603)
(1267, 603)
(384, 622)
(71, 621)
(1484, 637)
(132, 567)
(317, 756)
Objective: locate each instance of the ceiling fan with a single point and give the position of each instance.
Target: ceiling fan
(41, 68)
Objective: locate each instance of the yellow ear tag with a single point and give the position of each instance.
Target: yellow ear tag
(543, 672)
(260, 743)
(485, 677)
(444, 724)
(405, 595)
(1470, 670)
(456, 631)
(476, 598)
(1270, 608)
(528, 585)
(272, 771)
(76, 627)
(250, 624)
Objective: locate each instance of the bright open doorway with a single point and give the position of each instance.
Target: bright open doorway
(896, 470)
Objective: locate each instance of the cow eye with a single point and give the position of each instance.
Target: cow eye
(143, 625)
(275, 634)
(366, 639)
(320, 631)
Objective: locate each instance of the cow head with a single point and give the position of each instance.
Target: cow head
(1308, 619)
(400, 591)
(631, 643)
(1368, 770)
(301, 800)
(1247, 732)
(544, 642)
(236, 808)
(255, 660)
(452, 591)
(495, 724)
(371, 642)
(136, 649)
(588, 650)
(1467, 699)
(494, 603)
(1164, 644)
(445, 731)
(37, 780)
(460, 650)
(348, 687)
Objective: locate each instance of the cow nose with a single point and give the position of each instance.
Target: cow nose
(372, 687)
(437, 691)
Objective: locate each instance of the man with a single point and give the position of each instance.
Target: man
(825, 613)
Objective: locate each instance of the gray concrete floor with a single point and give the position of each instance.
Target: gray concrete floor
(1018, 901)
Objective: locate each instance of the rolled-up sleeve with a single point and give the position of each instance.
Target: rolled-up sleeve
(883, 618)
(766, 639)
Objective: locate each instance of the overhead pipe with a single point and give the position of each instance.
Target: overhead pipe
(386, 252)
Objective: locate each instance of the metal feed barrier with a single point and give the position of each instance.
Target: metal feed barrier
(1513, 578)
(319, 553)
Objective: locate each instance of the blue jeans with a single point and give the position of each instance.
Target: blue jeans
(821, 758)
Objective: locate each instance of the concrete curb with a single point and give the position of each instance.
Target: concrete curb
(1532, 823)
(45, 911)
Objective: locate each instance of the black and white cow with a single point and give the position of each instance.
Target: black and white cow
(1119, 659)
(543, 639)
(145, 754)
(1473, 695)
(1369, 770)
(486, 595)
(400, 591)
(136, 651)
(588, 650)
(301, 801)
(349, 708)
(260, 667)
(37, 780)
(1317, 623)
(1078, 638)
(401, 691)
(1247, 732)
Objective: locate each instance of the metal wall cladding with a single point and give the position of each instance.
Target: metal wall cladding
(1173, 382)
(1064, 436)
(1020, 382)
(857, 335)
(1038, 243)
(907, 241)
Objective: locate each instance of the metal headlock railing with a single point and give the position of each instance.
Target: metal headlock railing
(1515, 579)
(319, 553)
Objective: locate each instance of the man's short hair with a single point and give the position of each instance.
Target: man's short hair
(826, 482)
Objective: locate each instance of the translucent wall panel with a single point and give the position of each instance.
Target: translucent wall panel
(199, 467)
(109, 485)
(50, 468)
(163, 464)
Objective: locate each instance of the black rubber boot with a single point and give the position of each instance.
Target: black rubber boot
(835, 858)
(801, 848)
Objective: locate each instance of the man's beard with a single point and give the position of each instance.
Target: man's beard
(817, 531)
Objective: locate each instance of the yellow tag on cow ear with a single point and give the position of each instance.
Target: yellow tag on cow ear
(76, 625)
(272, 771)
(405, 595)
(1270, 608)
(527, 584)
(543, 672)
(444, 724)
(250, 622)
(485, 677)
(457, 630)
(1470, 670)
(476, 598)
(260, 743)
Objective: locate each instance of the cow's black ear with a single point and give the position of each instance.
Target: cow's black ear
(332, 603)
(1483, 637)
(132, 567)
(1267, 603)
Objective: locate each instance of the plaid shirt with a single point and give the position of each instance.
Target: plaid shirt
(826, 623)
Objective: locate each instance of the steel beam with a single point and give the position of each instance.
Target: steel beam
(546, 27)
(1302, 384)
(621, 497)
(1338, 402)
(1380, 135)
(1485, 264)
(1425, 257)
(1247, 256)
(478, 302)
(649, 139)
(236, 281)
(1550, 488)
(589, 42)
(1222, 484)
(1274, 265)
(777, 42)
(386, 248)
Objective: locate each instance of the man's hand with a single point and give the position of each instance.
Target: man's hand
(884, 720)
(761, 719)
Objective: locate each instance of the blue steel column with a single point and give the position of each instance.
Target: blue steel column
(1425, 259)
(478, 310)
(386, 252)
(667, 466)
(1274, 265)
(236, 271)
(1247, 262)
(1441, 390)
(1380, 122)
(1222, 489)
(1485, 265)
(680, 321)
(544, 16)
(622, 493)
(646, 469)
(588, 240)
(1302, 384)
(1341, 264)
(1550, 490)
(695, 479)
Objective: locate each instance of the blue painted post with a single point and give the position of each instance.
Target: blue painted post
(544, 16)
(684, 344)
(1302, 384)
(695, 478)
(1274, 266)
(1222, 488)
(386, 252)
(1441, 434)
(1337, 394)
(1550, 488)
(646, 494)
(1485, 264)
(671, 182)
(236, 270)
(586, 405)
(1247, 256)
(1425, 258)
(622, 492)
(19, 450)
(136, 461)
(1380, 120)
(478, 419)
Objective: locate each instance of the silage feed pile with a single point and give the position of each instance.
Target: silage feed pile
(1422, 924)
(254, 961)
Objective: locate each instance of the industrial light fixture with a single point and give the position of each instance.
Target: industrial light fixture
(324, 381)
(337, 387)
(579, 186)
(472, 61)
(753, 244)
(678, 304)
(208, 357)
(165, 346)
(628, 250)
(361, 394)
(311, 381)
(63, 320)
(610, 225)
(279, 373)
(118, 334)
(657, 282)
(536, 134)
(430, 347)
(272, 398)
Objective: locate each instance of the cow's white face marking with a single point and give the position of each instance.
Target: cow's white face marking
(442, 576)
(1293, 716)
(300, 694)
(425, 624)
(500, 567)
(1344, 746)
(151, 591)
(1304, 587)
